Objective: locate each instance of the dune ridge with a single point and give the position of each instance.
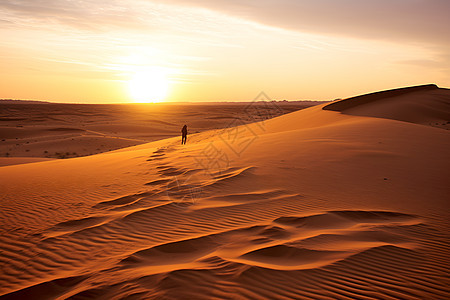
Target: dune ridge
(371, 97)
(424, 105)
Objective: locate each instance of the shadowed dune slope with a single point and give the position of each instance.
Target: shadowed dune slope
(315, 204)
(344, 104)
(425, 104)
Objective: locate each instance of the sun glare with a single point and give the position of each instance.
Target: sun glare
(149, 86)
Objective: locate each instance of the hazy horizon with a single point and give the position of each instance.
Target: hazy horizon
(188, 51)
(26, 101)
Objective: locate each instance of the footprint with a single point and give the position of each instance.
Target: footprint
(155, 158)
(158, 182)
(171, 171)
(184, 251)
(74, 225)
(122, 200)
(51, 289)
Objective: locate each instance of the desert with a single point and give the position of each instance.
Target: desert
(224, 150)
(37, 131)
(341, 200)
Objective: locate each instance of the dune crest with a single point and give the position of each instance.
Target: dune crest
(425, 105)
(344, 104)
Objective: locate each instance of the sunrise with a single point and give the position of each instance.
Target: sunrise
(218, 149)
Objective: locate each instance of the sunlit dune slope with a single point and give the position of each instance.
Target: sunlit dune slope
(315, 204)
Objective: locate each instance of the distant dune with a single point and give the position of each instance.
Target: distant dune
(13, 101)
(55, 131)
(342, 203)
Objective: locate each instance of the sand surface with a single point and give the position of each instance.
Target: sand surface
(315, 204)
(53, 130)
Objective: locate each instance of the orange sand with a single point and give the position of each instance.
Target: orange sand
(72, 130)
(315, 204)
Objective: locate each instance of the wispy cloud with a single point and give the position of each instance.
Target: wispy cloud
(397, 20)
(419, 23)
(411, 21)
(85, 15)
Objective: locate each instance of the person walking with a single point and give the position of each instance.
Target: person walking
(184, 135)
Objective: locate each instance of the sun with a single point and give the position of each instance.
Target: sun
(150, 85)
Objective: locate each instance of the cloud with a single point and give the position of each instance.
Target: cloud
(419, 23)
(441, 62)
(193, 27)
(405, 21)
(414, 21)
(83, 14)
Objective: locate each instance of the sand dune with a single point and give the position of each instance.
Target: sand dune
(376, 96)
(8, 161)
(315, 204)
(426, 105)
(55, 131)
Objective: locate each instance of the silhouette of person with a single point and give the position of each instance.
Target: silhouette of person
(184, 135)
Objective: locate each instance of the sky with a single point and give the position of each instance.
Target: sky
(122, 51)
